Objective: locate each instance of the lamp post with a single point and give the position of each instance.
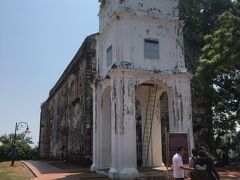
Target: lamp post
(13, 153)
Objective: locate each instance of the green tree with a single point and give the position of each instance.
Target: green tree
(23, 148)
(200, 19)
(220, 63)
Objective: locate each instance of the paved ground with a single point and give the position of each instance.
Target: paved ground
(45, 171)
(229, 174)
(55, 170)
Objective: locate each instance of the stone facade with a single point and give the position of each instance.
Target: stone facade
(66, 116)
(123, 89)
(140, 58)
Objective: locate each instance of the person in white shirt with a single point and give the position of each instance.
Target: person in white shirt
(178, 168)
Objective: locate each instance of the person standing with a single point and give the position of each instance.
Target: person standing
(201, 167)
(193, 158)
(13, 157)
(212, 173)
(193, 162)
(178, 168)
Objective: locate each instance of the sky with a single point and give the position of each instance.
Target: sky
(38, 39)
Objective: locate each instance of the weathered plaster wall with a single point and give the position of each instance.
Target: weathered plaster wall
(125, 25)
(127, 28)
(66, 116)
(44, 138)
(156, 9)
(123, 83)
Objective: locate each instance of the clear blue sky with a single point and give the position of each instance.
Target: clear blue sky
(38, 39)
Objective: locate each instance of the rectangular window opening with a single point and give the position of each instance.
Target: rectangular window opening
(151, 49)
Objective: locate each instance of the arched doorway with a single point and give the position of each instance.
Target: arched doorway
(106, 128)
(152, 118)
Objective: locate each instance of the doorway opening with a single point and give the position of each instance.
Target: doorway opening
(152, 120)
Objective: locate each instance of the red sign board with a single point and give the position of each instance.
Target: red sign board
(176, 140)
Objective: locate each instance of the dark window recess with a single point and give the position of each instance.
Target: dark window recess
(109, 56)
(121, 1)
(151, 49)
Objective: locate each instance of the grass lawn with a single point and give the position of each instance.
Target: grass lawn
(17, 172)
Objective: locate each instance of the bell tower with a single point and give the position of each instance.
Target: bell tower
(146, 34)
(140, 57)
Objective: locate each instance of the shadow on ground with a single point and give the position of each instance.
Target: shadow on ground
(229, 173)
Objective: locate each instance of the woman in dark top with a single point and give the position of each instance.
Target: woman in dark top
(212, 173)
(200, 172)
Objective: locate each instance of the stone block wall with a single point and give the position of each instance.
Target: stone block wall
(66, 116)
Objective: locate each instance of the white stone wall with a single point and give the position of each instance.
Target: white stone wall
(124, 25)
(126, 31)
(156, 9)
(123, 83)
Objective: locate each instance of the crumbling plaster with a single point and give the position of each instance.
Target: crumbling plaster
(66, 116)
(124, 26)
(109, 105)
(124, 84)
(126, 34)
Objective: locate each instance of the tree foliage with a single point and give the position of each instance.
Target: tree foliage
(219, 73)
(200, 17)
(22, 146)
(212, 50)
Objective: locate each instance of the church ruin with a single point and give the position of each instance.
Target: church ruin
(125, 88)
(66, 116)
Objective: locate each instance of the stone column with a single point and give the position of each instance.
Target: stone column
(182, 109)
(187, 108)
(124, 158)
(177, 108)
(93, 166)
(97, 155)
(156, 139)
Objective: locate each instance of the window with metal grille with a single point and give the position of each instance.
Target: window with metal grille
(151, 49)
(109, 56)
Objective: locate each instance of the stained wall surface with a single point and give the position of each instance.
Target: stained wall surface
(125, 25)
(90, 112)
(129, 32)
(66, 116)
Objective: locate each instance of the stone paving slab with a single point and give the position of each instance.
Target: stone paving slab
(45, 171)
